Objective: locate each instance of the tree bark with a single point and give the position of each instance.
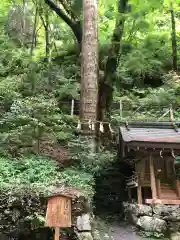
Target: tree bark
(107, 81)
(45, 22)
(33, 43)
(89, 64)
(46, 27)
(174, 41)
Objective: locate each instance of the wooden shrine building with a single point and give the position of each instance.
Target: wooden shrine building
(151, 150)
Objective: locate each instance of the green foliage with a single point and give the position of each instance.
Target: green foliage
(147, 58)
(21, 209)
(25, 184)
(29, 120)
(33, 91)
(35, 94)
(41, 174)
(77, 178)
(87, 160)
(178, 159)
(77, 6)
(31, 101)
(150, 104)
(28, 171)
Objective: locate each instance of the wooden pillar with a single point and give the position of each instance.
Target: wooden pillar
(139, 188)
(178, 187)
(153, 179)
(139, 194)
(177, 181)
(159, 187)
(72, 107)
(142, 169)
(57, 234)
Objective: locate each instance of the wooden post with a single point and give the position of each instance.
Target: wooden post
(152, 176)
(120, 109)
(159, 188)
(138, 167)
(171, 113)
(72, 107)
(178, 187)
(57, 234)
(139, 193)
(176, 181)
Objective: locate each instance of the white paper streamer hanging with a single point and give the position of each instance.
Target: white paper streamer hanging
(79, 125)
(101, 128)
(110, 128)
(90, 125)
(93, 126)
(172, 153)
(161, 154)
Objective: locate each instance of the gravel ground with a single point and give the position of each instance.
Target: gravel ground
(123, 231)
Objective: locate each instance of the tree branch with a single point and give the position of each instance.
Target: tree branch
(59, 12)
(68, 10)
(75, 26)
(173, 39)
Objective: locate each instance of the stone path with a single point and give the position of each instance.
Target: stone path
(122, 231)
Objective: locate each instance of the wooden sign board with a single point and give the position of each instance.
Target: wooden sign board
(58, 212)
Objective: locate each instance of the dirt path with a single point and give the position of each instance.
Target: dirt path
(122, 231)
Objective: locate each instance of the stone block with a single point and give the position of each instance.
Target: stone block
(168, 212)
(175, 236)
(174, 226)
(138, 209)
(151, 224)
(85, 236)
(84, 222)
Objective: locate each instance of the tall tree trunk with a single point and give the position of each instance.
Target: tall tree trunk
(106, 84)
(25, 3)
(45, 22)
(174, 41)
(89, 64)
(47, 36)
(33, 43)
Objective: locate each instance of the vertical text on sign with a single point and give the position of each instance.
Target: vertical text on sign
(58, 212)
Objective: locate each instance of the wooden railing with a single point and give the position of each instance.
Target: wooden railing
(136, 178)
(177, 186)
(132, 181)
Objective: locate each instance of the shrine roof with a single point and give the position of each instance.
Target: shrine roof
(166, 133)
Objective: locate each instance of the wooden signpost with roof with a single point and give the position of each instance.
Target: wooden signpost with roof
(58, 213)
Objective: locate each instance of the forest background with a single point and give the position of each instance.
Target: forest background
(40, 42)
